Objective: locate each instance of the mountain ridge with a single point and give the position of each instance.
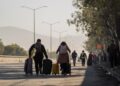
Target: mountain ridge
(24, 38)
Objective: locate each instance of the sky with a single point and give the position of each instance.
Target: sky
(13, 14)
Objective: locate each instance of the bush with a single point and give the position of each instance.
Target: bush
(14, 49)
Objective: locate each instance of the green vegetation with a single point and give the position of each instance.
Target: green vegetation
(12, 49)
(101, 20)
(1, 47)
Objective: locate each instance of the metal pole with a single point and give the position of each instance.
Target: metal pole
(51, 24)
(34, 9)
(60, 34)
(59, 37)
(51, 40)
(34, 24)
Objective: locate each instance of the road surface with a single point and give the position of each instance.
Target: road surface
(12, 74)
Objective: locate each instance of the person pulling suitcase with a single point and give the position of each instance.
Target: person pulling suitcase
(63, 57)
(40, 51)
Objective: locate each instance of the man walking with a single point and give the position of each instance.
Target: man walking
(112, 51)
(74, 56)
(83, 57)
(39, 55)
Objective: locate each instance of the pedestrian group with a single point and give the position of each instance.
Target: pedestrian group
(37, 52)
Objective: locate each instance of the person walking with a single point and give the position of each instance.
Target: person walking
(63, 57)
(40, 51)
(74, 56)
(83, 57)
(90, 59)
(112, 51)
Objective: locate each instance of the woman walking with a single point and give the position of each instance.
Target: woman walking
(63, 57)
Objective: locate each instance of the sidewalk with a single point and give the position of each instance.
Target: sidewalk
(95, 76)
(115, 72)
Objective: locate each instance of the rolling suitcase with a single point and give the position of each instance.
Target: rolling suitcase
(47, 66)
(28, 66)
(68, 68)
(55, 68)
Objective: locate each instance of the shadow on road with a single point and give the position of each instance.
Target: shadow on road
(22, 76)
(16, 71)
(76, 68)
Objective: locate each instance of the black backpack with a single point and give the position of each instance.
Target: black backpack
(38, 47)
(83, 56)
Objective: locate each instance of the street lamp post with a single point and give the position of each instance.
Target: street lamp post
(51, 24)
(60, 34)
(34, 21)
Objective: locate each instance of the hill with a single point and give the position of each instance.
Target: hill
(24, 38)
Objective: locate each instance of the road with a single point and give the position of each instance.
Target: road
(12, 74)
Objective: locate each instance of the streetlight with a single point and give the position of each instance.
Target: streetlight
(60, 34)
(51, 24)
(34, 10)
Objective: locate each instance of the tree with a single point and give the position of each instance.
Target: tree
(100, 18)
(1, 47)
(14, 49)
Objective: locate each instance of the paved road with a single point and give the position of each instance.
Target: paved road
(12, 74)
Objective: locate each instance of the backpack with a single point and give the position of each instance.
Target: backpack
(74, 55)
(63, 49)
(83, 55)
(38, 47)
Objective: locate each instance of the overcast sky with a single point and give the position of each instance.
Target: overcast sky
(13, 14)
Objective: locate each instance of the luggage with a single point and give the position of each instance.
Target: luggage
(28, 66)
(55, 68)
(47, 66)
(66, 68)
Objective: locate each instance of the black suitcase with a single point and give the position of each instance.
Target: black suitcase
(28, 66)
(47, 66)
(68, 66)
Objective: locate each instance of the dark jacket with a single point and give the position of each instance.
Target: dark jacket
(40, 51)
(89, 61)
(74, 54)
